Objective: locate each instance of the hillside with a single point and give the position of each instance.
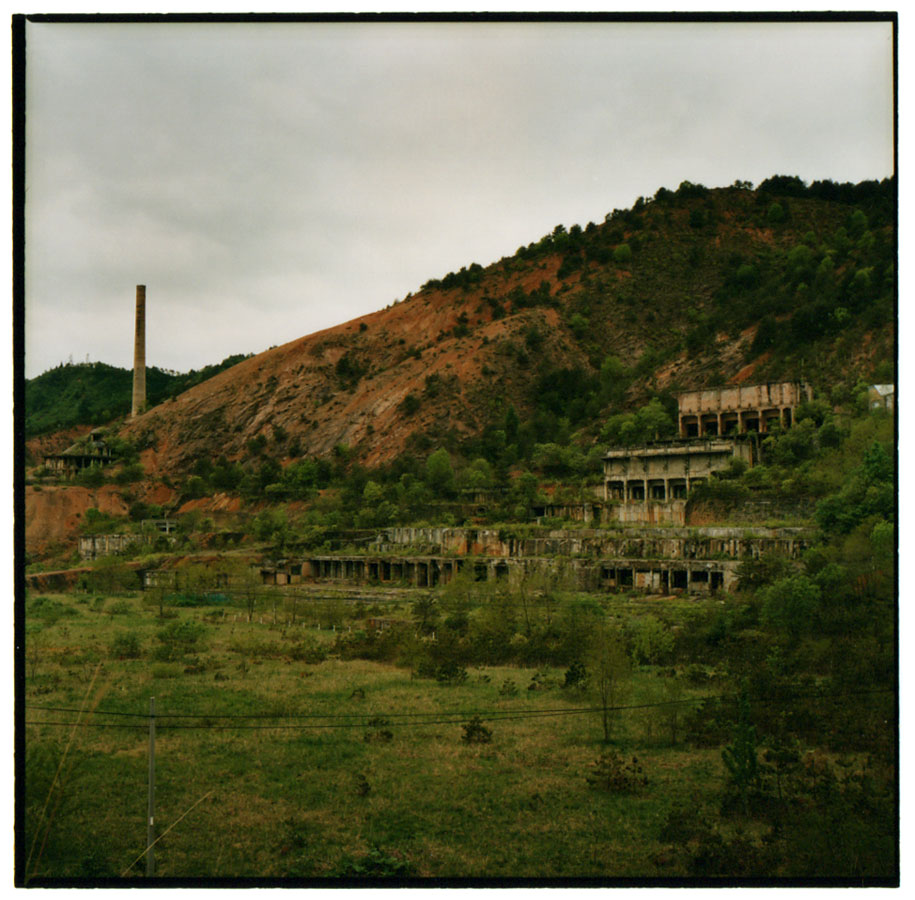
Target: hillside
(692, 288)
(95, 393)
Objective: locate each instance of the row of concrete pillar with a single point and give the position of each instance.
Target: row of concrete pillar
(643, 489)
(737, 422)
(664, 580)
(416, 572)
(654, 576)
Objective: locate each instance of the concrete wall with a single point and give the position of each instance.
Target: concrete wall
(649, 575)
(636, 475)
(93, 546)
(645, 542)
(740, 408)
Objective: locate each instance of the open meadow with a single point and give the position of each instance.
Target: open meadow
(281, 751)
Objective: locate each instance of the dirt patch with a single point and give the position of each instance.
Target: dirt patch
(747, 371)
(53, 515)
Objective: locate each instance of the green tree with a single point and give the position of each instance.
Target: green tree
(653, 642)
(511, 425)
(740, 757)
(439, 473)
(608, 665)
(425, 614)
(791, 603)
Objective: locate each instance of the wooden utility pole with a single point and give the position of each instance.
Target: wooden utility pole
(151, 805)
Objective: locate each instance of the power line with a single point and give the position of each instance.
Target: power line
(449, 718)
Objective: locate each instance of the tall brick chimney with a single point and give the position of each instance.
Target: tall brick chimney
(138, 402)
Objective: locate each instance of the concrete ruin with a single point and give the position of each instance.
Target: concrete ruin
(95, 546)
(651, 483)
(656, 560)
(740, 409)
(668, 472)
(92, 450)
(881, 396)
(651, 575)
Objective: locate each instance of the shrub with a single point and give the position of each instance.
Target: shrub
(119, 608)
(309, 650)
(125, 645)
(179, 637)
(48, 610)
(410, 404)
(475, 732)
(610, 772)
(377, 863)
(653, 643)
(576, 676)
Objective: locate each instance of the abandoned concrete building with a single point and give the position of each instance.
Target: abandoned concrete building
(881, 396)
(715, 426)
(740, 409)
(656, 560)
(159, 533)
(92, 450)
(668, 472)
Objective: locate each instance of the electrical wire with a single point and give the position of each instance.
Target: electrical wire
(368, 720)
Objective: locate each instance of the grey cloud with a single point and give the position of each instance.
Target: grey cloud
(266, 181)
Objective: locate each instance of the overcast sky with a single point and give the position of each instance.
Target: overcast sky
(269, 180)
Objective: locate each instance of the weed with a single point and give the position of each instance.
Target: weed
(508, 688)
(380, 734)
(362, 786)
(164, 670)
(377, 863)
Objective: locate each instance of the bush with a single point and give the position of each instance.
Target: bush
(179, 637)
(475, 732)
(125, 645)
(622, 255)
(119, 608)
(410, 404)
(576, 676)
(309, 650)
(48, 610)
(610, 772)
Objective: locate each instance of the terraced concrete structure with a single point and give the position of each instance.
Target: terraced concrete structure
(667, 472)
(659, 560)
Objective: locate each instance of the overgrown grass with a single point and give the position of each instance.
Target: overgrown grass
(299, 788)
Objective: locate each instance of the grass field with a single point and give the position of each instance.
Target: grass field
(272, 762)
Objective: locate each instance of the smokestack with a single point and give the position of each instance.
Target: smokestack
(138, 402)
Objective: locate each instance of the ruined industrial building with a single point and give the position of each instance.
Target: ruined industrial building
(639, 537)
(740, 409)
(635, 534)
(655, 560)
(91, 450)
